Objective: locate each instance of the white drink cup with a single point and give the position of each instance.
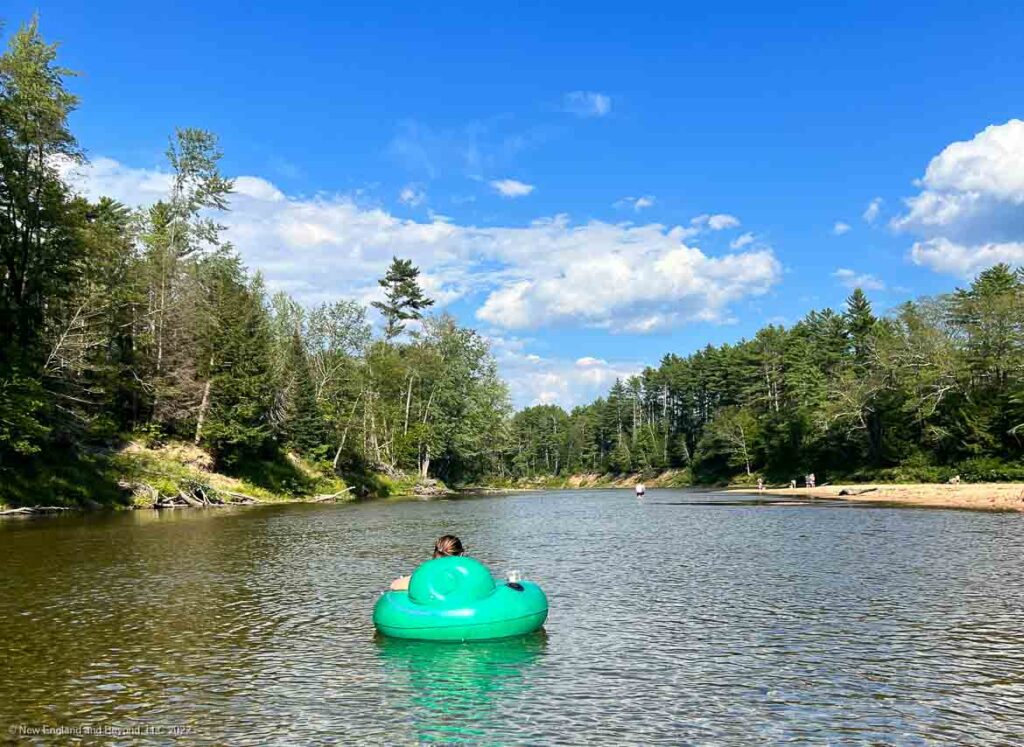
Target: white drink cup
(514, 577)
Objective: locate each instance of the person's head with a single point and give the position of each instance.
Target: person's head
(448, 545)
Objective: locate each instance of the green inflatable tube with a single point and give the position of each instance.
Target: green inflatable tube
(455, 599)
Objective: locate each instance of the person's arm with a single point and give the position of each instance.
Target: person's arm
(400, 584)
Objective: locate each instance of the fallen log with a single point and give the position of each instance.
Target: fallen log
(845, 492)
(190, 500)
(243, 498)
(324, 498)
(26, 510)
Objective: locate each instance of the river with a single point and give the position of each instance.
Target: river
(685, 619)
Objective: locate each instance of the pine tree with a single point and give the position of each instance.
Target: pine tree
(620, 460)
(990, 314)
(40, 251)
(860, 321)
(303, 427)
(405, 298)
(242, 389)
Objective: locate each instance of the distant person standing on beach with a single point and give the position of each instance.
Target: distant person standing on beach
(810, 480)
(760, 485)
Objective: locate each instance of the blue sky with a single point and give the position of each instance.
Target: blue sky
(590, 187)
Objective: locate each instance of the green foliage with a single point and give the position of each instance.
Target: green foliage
(990, 469)
(620, 460)
(64, 477)
(934, 389)
(303, 425)
(466, 403)
(271, 471)
(21, 432)
(405, 299)
(113, 321)
(242, 387)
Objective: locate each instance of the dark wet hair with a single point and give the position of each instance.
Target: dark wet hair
(448, 545)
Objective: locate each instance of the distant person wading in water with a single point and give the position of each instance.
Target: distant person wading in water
(640, 490)
(446, 546)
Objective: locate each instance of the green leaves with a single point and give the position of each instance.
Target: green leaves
(21, 430)
(936, 382)
(242, 386)
(405, 298)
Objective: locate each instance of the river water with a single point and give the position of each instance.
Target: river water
(685, 619)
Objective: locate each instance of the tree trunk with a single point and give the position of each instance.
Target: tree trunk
(408, 405)
(425, 462)
(204, 405)
(344, 435)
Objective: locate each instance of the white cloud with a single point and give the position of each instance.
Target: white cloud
(412, 195)
(840, 228)
(636, 203)
(742, 240)
(621, 277)
(624, 278)
(587, 103)
(511, 188)
(716, 222)
(872, 210)
(991, 163)
(852, 279)
(969, 213)
(942, 255)
(536, 380)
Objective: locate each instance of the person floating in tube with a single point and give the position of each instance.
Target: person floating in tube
(447, 545)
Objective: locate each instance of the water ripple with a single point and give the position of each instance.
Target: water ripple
(673, 622)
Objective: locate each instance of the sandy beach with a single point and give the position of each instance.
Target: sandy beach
(976, 496)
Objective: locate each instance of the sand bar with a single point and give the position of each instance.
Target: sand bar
(1003, 496)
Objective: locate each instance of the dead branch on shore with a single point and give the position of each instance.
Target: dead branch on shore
(199, 496)
(32, 510)
(330, 497)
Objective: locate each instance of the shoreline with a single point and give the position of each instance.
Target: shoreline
(965, 496)
(994, 496)
(998, 496)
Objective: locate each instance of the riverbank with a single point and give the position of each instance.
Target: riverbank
(177, 474)
(675, 478)
(1000, 496)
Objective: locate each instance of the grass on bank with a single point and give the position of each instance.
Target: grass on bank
(74, 480)
(286, 477)
(128, 476)
(177, 466)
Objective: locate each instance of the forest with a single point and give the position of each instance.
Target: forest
(121, 324)
(930, 391)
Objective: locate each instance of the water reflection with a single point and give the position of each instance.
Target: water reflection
(670, 624)
(459, 692)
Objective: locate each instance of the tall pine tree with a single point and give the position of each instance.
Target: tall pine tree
(405, 297)
(303, 424)
(860, 322)
(242, 388)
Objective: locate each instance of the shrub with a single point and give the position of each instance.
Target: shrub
(990, 469)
